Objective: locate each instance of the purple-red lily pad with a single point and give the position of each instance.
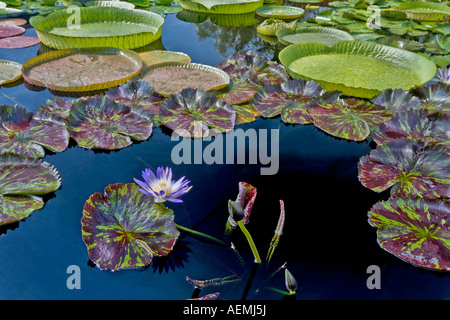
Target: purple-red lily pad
(25, 134)
(124, 228)
(18, 42)
(241, 91)
(242, 61)
(351, 119)
(245, 113)
(410, 168)
(415, 230)
(246, 199)
(137, 94)
(102, 123)
(10, 31)
(435, 98)
(192, 112)
(57, 107)
(21, 181)
(292, 99)
(397, 100)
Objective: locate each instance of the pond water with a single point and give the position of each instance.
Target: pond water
(327, 242)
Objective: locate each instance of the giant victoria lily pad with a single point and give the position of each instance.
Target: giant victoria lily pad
(21, 181)
(351, 119)
(425, 11)
(123, 228)
(410, 168)
(357, 68)
(221, 6)
(25, 134)
(192, 112)
(79, 70)
(415, 230)
(10, 71)
(99, 27)
(101, 123)
(292, 99)
(280, 12)
(328, 36)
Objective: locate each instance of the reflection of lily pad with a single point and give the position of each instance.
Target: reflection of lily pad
(21, 180)
(408, 167)
(192, 112)
(99, 27)
(416, 231)
(85, 69)
(357, 68)
(328, 36)
(102, 123)
(172, 77)
(221, 6)
(280, 12)
(25, 134)
(123, 228)
(351, 119)
(10, 71)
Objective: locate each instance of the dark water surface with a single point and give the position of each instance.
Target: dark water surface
(327, 243)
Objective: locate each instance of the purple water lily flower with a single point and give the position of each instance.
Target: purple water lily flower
(162, 187)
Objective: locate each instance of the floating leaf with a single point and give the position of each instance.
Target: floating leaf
(25, 134)
(10, 71)
(291, 99)
(21, 180)
(280, 12)
(57, 107)
(351, 119)
(150, 58)
(82, 69)
(12, 21)
(102, 123)
(10, 31)
(269, 27)
(18, 42)
(221, 6)
(192, 111)
(137, 93)
(415, 230)
(241, 91)
(212, 282)
(328, 36)
(123, 228)
(409, 168)
(435, 98)
(397, 100)
(245, 113)
(357, 68)
(425, 11)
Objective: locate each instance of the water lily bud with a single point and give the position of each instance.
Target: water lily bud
(235, 210)
(291, 283)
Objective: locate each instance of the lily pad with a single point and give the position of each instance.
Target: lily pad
(328, 36)
(99, 27)
(10, 71)
(351, 119)
(269, 27)
(221, 6)
(21, 181)
(151, 58)
(102, 123)
(171, 77)
(18, 42)
(280, 12)
(192, 112)
(292, 99)
(425, 11)
(10, 31)
(357, 68)
(435, 98)
(123, 228)
(137, 94)
(57, 107)
(397, 100)
(416, 231)
(25, 134)
(409, 168)
(79, 70)
(13, 21)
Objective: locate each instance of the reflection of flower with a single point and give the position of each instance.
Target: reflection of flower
(162, 187)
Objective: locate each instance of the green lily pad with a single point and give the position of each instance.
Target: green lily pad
(357, 68)
(269, 27)
(123, 228)
(99, 27)
(102, 123)
(416, 231)
(192, 112)
(10, 71)
(221, 6)
(21, 181)
(425, 11)
(25, 134)
(351, 119)
(409, 168)
(280, 12)
(328, 36)
(154, 57)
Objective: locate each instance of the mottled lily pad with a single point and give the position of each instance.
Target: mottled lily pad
(351, 119)
(21, 181)
(102, 123)
(172, 77)
(137, 94)
(292, 99)
(57, 107)
(269, 27)
(409, 168)
(10, 71)
(397, 100)
(415, 230)
(192, 112)
(79, 70)
(123, 228)
(25, 134)
(435, 98)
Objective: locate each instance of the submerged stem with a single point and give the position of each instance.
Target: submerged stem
(250, 241)
(203, 235)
